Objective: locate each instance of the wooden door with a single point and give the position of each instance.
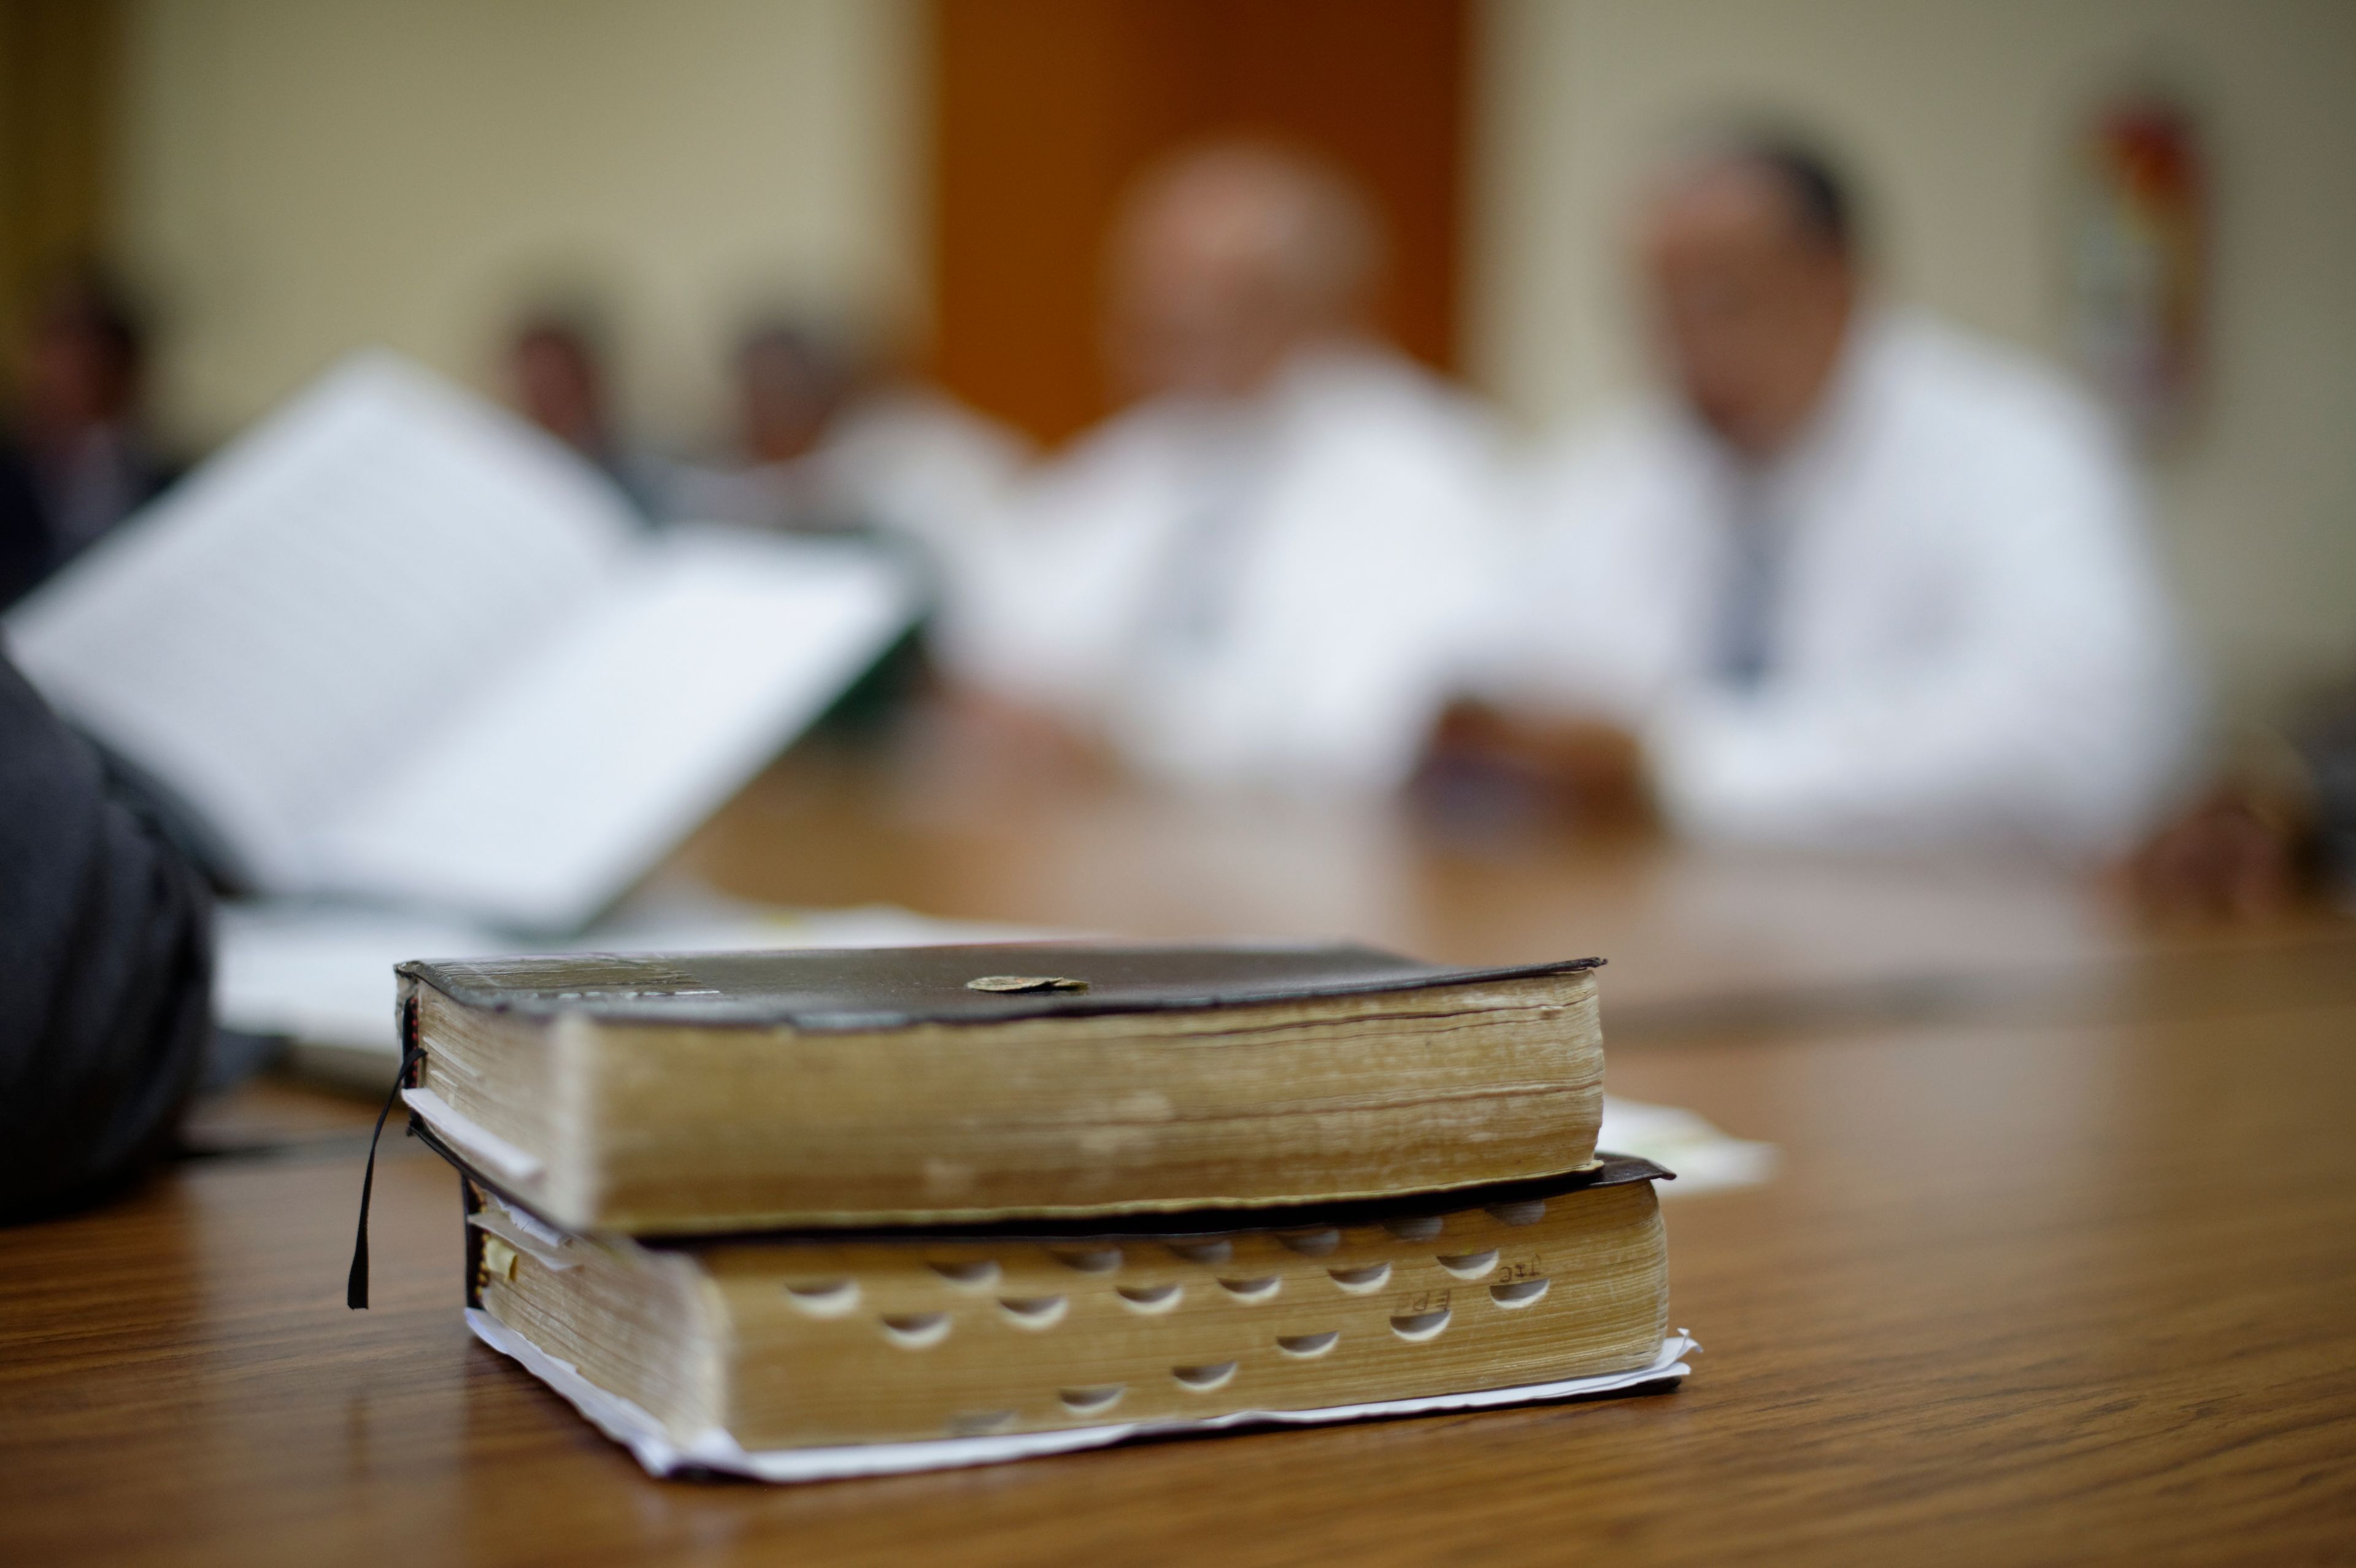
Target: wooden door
(1044, 109)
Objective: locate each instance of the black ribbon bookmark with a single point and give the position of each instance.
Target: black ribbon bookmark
(356, 1285)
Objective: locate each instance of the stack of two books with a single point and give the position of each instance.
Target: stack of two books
(805, 1214)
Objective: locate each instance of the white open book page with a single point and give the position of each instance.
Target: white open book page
(270, 637)
(394, 642)
(561, 779)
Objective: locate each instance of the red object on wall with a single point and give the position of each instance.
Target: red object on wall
(2142, 286)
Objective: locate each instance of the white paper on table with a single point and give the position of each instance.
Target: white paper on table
(552, 788)
(716, 1450)
(1705, 1159)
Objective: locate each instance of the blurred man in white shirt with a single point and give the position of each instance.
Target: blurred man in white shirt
(1265, 572)
(1867, 581)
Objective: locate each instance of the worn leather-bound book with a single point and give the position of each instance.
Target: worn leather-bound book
(802, 1356)
(705, 1092)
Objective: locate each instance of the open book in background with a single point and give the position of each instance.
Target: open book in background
(394, 643)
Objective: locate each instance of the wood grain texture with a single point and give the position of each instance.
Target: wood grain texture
(2020, 1293)
(1697, 939)
(2060, 1263)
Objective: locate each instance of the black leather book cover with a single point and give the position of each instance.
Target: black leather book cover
(877, 988)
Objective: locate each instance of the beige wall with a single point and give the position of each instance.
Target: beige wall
(302, 177)
(1960, 118)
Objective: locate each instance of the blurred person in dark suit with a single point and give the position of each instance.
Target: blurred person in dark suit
(1263, 572)
(826, 442)
(556, 367)
(78, 460)
(1863, 579)
(105, 968)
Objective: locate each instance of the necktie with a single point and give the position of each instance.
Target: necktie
(1748, 596)
(1197, 591)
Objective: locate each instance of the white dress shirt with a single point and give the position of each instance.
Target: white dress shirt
(1964, 634)
(1275, 594)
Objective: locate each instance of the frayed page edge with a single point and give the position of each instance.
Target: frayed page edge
(715, 1450)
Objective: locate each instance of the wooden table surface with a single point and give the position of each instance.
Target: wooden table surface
(1694, 936)
(2060, 1262)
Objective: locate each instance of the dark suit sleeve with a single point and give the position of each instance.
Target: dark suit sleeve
(105, 969)
(24, 534)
